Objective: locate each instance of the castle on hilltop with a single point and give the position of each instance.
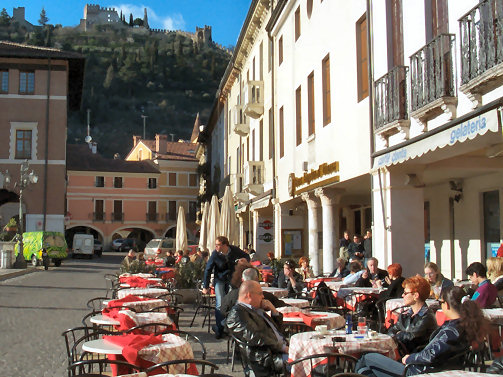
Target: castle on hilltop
(94, 14)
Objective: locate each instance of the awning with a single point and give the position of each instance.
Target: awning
(459, 133)
(261, 203)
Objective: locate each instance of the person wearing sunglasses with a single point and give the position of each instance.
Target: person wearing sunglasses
(290, 279)
(465, 324)
(415, 325)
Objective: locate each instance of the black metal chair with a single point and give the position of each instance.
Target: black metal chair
(85, 319)
(96, 303)
(171, 298)
(290, 329)
(100, 368)
(173, 312)
(203, 364)
(457, 361)
(206, 304)
(336, 363)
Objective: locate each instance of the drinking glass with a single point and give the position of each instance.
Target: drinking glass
(362, 326)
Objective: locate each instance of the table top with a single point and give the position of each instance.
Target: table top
(102, 346)
(493, 314)
(297, 302)
(278, 292)
(101, 319)
(150, 292)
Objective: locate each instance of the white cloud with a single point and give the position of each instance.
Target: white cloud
(172, 22)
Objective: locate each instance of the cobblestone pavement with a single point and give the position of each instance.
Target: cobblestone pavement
(37, 307)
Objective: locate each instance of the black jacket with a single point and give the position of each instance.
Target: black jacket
(413, 331)
(231, 298)
(263, 349)
(354, 248)
(380, 275)
(283, 282)
(340, 274)
(222, 265)
(395, 289)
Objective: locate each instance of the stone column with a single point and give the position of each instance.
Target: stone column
(330, 226)
(241, 231)
(256, 220)
(312, 220)
(277, 228)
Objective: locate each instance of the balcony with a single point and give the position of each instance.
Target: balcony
(481, 32)
(99, 216)
(390, 102)
(433, 89)
(152, 217)
(171, 216)
(253, 177)
(254, 99)
(241, 126)
(117, 217)
(239, 195)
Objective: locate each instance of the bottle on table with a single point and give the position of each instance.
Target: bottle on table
(349, 324)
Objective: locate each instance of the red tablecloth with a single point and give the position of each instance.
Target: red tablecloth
(312, 283)
(306, 318)
(137, 282)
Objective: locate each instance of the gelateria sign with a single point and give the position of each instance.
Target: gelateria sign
(459, 133)
(324, 175)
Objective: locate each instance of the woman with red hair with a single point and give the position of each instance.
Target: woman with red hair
(395, 281)
(304, 268)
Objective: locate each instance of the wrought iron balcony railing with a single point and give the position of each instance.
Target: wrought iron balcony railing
(391, 97)
(152, 216)
(117, 216)
(98, 216)
(432, 72)
(481, 31)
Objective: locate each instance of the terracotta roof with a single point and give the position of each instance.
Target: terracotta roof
(79, 157)
(76, 64)
(175, 150)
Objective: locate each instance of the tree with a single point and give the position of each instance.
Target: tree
(4, 17)
(131, 19)
(43, 17)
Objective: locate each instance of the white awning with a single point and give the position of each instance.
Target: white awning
(469, 130)
(261, 203)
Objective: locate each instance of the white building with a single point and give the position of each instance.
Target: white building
(437, 170)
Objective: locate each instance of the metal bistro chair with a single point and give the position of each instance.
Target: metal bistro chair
(96, 303)
(100, 368)
(186, 363)
(206, 305)
(173, 312)
(336, 363)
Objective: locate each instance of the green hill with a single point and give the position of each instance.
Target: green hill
(130, 72)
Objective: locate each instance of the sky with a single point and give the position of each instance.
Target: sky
(224, 16)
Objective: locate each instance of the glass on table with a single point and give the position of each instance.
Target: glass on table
(362, 326)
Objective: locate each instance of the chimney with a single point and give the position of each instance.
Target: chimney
(136, 139)
(94, 147)
(161, 143)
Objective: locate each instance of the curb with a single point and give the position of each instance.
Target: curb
(17, 273)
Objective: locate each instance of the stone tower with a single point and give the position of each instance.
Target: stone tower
(145, 19)
(203, 35)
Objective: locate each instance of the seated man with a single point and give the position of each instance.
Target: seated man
(355, 272)
(486, 292)
(290, 279)
(266, 349)
(414, 326)
(341, 270)
(244, 272)
(128, 259)
(373, 276)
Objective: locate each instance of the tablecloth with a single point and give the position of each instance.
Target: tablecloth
(149, 292)
(297, 302)
(315, 318)
(278, 292)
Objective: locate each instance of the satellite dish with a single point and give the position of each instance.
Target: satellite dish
(88, 139)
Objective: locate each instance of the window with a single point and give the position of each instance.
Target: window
(253, 146)
(436, 19)
(26, 82)
(23, 144)
(99, 213)
(99, 181)
(171, 179)
(281, 133)
(261, 141)
(309, 8)
(118, 182)
(4, 81)
(117, 215)
(297, 23)
(394, 33)
(269, 56)
(152, 211)
(192, 211)
(362, 75)
(253, 69)
(193, 180)
(152, 183)
(172, 210)
(261, 61)
(280, 50)
(327, 102)
(310, 104)
(298, 117)
(271, 133)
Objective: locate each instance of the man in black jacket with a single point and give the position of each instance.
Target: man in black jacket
(221, 263)
(373, 276)
(265, 346)
(290, 279)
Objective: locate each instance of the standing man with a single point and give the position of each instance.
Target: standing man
(356, 250)
(221, 263)
(367, 244)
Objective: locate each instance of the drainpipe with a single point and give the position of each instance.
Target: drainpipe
(46, 152)
(272, 124)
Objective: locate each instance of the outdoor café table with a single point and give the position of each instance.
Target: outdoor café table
(495, 315)
(313, 282)
(310, 343)
(297, 302)
(141, 306)
(139, 318)
(332, 320)
(149, 292)
(173, 348)
(140, 275)
(278, 292)
(357, 294)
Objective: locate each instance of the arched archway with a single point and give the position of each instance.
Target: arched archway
(143, 234)
(82, 229)
(9, 206)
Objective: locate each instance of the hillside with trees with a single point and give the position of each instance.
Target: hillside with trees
(130, 72)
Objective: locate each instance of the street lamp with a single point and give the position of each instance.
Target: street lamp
(25, 179)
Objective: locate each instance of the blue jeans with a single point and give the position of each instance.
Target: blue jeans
(377, 365)
(221, 289)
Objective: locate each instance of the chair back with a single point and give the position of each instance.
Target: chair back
(336, 363)
(200, 364)
(96, 303)
(102, 367)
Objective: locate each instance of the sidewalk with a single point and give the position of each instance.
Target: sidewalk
(7, 273)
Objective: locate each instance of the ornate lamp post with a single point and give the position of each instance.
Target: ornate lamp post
(25, 179)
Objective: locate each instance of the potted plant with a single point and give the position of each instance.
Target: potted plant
(188, 276)
(137, 267)
(11, 226)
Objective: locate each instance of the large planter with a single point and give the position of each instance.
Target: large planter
(189, 295)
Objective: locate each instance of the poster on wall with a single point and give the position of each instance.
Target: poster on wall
(292, 242)
(265, 232)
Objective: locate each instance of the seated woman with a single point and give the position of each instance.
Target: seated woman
(304, 270)
(395, 282)
(465, 324)
(437, 281)
(341, 270)
(495, 272)
(414, 326)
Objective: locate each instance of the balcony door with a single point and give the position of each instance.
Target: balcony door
(436, 18)
(394, 28)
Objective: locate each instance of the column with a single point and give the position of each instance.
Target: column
(330, 226)
(255, 228)
(312, 220)
(277, 228)
(241, 231)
